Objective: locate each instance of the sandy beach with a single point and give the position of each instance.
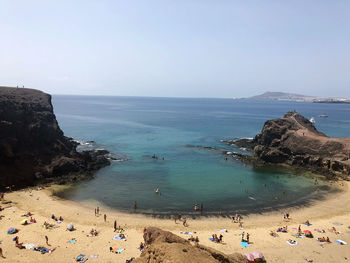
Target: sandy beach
(40, 202)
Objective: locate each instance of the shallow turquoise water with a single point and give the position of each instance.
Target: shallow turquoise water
(136, 128)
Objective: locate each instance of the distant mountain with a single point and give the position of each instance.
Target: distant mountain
(283, 96)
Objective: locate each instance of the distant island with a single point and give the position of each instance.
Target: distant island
(283, 96)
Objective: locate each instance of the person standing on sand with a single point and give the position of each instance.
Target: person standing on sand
(185, 222)
(95, 211)
(248, 238)
(98, 210)
(1, 253)
(175, 218)
(47, 240)
(105, 217)
(115, 225)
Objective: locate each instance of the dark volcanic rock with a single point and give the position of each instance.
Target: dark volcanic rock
(32, 146)
(163, 246)
(294, 140)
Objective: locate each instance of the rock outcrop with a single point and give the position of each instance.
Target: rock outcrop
(294, 140)
(32, 146)
(165, 247)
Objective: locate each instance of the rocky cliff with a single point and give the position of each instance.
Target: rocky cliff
(165, 247)
(33, 147)
(293, 140)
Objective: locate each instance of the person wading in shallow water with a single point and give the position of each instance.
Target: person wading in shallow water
(135, 206)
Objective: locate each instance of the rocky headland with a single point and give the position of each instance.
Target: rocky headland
(33, 148)
(164, 246)
(294, 141)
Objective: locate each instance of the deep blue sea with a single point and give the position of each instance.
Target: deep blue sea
(135, 128)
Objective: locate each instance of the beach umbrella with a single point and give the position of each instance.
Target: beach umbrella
(257, 255)
(70, 227)
(307, 232)
(250, 257)
(11, 230)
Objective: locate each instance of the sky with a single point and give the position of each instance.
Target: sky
(178, 48)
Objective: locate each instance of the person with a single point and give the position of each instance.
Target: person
(47, 240)
(95, 211)
(201, 207)
(1, 254)
(175, 218)
(142, 246)
(105, 217)
(196, 240)
(195, 207)
(135, 205)
(53, 217)
(115, 225)
(248, 238)
(180, 216)
(185, 222)
(98, 210)
(242, 239)
(61, 219)
(220, 238)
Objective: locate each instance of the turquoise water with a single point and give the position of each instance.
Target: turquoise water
(135, 128)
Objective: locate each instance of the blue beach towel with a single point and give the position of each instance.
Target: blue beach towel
(245, 244)
(117, 237)
(120, 250)
(188, 233)
(80, 257)
(211, 239)
(341, 242)
(337, 224)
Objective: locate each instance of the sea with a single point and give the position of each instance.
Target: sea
(186, 137)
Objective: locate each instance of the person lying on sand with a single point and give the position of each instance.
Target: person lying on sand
(273, 233)
(47, 225)
(307, 223)
(323, 239)
(93, 233)
(335, 231)
(283, 229)
(27, 214)
(320, 230)
(290, 241)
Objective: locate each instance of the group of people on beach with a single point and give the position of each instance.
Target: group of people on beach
(216, 238)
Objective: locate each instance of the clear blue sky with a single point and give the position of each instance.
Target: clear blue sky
(182, 48)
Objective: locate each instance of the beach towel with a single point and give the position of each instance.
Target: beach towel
(337, 224)
(211, 239)
(188, 233)
(78, 258)
(307, 224)
(117, 237)
(341, 242)
(93, 256)
(245, 244)
(294, 228)
(29, 246)
(292, 244)
(120, 250)
(223, 230)
(71, 241)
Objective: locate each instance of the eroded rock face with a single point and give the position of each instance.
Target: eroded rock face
(294, 140)
(32, 146)
(163, 246)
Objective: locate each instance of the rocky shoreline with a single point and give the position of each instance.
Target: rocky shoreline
(293, 141)
(33, 148)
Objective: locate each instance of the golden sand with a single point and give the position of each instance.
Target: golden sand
(322, 214)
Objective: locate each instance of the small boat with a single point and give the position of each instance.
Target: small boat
(312, 120)
(323, 115)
